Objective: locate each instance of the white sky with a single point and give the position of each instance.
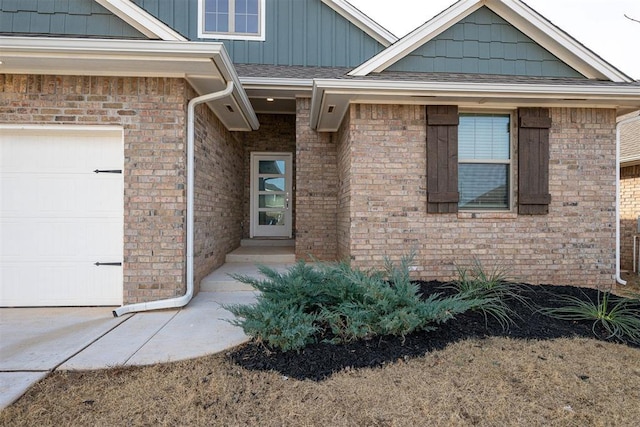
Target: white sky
(600, 25)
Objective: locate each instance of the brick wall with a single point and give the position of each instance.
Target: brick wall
(219, 167)
(343, 217)
(574, 244)
(316, 189)
(629, 213)
(277, 133)
(152, 113)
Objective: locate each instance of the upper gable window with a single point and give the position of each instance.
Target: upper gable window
(231, 19)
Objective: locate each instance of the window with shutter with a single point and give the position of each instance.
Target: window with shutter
(533, 161)
(442, 159)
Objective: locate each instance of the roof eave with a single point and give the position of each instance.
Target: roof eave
(206, 66)
(332, 97)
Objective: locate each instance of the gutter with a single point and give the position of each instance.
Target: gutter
(183, 300)
(618, 134)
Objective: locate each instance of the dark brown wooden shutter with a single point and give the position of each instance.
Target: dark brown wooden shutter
(442, 159)
(533, 161)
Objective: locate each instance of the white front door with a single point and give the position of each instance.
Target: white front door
(271, 195)
(61, 222)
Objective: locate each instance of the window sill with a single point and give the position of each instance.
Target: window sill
(487, 215)
(227, 36)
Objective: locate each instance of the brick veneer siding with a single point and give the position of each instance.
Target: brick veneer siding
(629, 213)
(574, 244)
(277, 133)
(219, 167)
(316, 188)
(343, 216)
(152, 112)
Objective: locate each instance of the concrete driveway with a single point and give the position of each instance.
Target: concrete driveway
(36, 341)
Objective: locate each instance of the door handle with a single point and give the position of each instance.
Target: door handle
(286, 201)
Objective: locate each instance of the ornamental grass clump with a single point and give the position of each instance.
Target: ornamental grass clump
(492, 289)
(618, 316)
(335, 303)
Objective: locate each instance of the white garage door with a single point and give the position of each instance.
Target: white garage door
(58, 217)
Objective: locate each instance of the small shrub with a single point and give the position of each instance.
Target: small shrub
(282, 326)
(619, 316)
(335, 303)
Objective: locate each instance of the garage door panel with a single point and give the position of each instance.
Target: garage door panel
(60, 284)
(16, 194)
(58, 218)
(59, 239)
(60, 196)
(49, 153)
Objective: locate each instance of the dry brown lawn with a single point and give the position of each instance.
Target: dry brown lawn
(486, 382)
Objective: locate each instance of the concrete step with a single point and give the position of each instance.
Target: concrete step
(221, 281)
(263, 255)
(268, 242)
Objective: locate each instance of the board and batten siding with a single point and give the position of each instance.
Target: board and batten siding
(484, 43)
(302, 33)
(81, 18)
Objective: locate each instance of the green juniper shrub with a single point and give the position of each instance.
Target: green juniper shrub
(619, 316)
(283, 326)
(335, 303)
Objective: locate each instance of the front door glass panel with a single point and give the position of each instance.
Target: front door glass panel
(271, 195)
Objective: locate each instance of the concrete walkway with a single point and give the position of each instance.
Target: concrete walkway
(36, 341)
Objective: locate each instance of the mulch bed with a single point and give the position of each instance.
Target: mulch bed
(319, 361)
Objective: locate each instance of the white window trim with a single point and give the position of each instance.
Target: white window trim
(261, 36)
(512, 161)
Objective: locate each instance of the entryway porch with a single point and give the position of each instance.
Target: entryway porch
(278, 254)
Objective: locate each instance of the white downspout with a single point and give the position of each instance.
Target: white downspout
(618, 133)
(183, 300)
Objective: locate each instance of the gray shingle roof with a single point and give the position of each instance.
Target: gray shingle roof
(290, 72)
(300, 72)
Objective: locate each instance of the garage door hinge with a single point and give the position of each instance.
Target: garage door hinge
(108, 171)
(109, 264)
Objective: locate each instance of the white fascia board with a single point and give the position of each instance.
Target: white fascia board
(225, 66)
(554, 39)
(362, 21)
(481, 89)
(132, 48)
(303, 85)
(350, 90)
(417, 37)
(140, 19)
(317, 99)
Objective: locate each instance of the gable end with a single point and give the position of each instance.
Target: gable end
(484, 43)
